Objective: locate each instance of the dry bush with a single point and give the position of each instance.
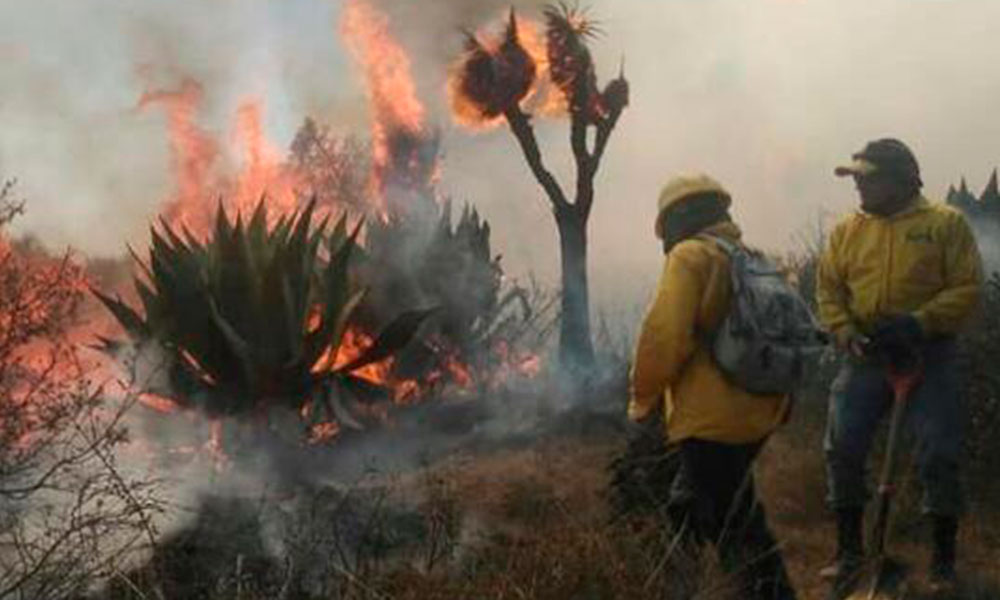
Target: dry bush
(980, 349)
(68, 514)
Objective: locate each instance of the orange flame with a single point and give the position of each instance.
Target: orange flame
(460, 373)
(264, 172)
(323, 433)
(193, 151)
(158, 403)
(398, 133)
(353, 345)
(544, 98)
(200, 180)
(391, 90)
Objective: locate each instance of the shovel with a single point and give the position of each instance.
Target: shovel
(886, 577)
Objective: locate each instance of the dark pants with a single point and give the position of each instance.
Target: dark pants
(714, 497)
(861, 398)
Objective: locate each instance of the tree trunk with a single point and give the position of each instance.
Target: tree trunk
(576, 351)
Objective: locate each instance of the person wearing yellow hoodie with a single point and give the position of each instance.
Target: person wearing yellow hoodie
(901, 273)
(717, 427)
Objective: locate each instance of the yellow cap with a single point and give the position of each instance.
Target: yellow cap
(684, 186)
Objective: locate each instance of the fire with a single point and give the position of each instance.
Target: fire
(406, 390)
(391, 90)
(354, 344)
(158, 403)
(499, 71)
(196, 154)
(323, 433)
(193, 151)
(404, 153)
(404, 161)
(264, 172)
(460, 373)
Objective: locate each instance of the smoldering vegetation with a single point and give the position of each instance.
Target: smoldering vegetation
(534, 488)
(437, 452)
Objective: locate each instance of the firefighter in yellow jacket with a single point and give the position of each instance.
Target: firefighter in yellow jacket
(718, 427)
(900, 273)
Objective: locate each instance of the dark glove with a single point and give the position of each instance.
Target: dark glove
(901, 330)
(896, 338)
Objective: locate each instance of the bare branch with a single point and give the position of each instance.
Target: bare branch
(525, 134)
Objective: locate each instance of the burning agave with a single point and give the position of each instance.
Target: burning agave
(254, 317)
(414, 260)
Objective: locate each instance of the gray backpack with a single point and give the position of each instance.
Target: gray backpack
(769, 335)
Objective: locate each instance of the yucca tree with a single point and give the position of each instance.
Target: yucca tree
(251, 317)
(495, 81)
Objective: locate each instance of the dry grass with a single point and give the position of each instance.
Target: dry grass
(534, 522)
(791, 477)
(537, 526)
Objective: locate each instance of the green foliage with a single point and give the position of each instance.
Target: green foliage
(244, 318)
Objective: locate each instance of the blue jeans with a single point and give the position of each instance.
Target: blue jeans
(860, 398)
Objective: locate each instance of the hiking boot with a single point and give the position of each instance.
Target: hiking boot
(843, 567)
(850, 555)
(942, 570)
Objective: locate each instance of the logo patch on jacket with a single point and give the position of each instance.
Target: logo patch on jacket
(920, 236)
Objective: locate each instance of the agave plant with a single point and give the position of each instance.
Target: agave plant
(250, 317)
(410, 260)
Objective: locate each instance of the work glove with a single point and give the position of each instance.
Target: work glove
(896, 338)
(903, 330)
(640, 411)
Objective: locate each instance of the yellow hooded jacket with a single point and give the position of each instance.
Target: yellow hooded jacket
(921, 261)
(673, 364)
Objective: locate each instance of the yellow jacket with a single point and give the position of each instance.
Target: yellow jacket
(673, 364)
(921, 261)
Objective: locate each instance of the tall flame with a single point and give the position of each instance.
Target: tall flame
(264, 172)
(388, 73)
(193, 151)
(200, 179)
(404, 153)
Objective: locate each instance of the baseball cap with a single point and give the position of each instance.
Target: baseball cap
(888, 156)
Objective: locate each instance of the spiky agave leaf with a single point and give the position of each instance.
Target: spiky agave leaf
(246, 315)
(445, 262)
(392, 338)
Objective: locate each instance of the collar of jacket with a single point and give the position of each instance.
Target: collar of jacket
(918, 204)
(725, 229)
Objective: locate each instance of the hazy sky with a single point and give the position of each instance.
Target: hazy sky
(768, 95)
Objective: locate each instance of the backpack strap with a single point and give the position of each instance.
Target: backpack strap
(732, 251)
(725, 245)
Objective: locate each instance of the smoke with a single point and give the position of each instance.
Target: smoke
(94, 167)
(433, 29)
(767, 97)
